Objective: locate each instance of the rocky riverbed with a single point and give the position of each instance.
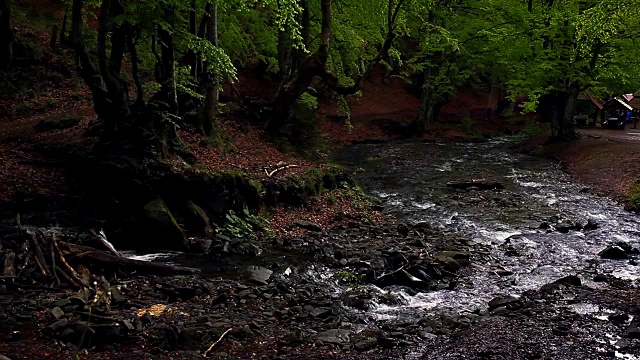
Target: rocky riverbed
(486, 255)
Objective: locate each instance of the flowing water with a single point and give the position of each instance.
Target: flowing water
(412, 177)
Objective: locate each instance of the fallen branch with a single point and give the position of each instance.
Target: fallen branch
(53, 264)
(74, 274)
(68, 278)
(107, 261)
(42, 265)
(270, 174)
(210, 349)
(103, 239)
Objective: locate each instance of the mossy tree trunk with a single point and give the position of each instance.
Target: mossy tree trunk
(146, 127)
(558, 108)
(304, 68)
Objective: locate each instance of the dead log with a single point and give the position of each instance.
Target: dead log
(106, 261)
(103, 239)
(64, 262)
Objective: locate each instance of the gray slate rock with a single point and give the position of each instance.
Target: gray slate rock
(613, 252)
(308, 225)
(334, 336)
(501, 301)
(366, 344)
(259, 274)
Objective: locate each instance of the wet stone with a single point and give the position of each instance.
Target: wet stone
(614, 252)
(633, 332)
(259, 274)
(600, 278)
(501, 301)
(307, 225)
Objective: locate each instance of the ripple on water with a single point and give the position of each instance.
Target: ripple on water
(148, 257)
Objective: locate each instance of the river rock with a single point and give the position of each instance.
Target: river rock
(57, 312)
(501, 301)
(613, 252)
(198, 220)
(591, 225)
(161, 226)
(366, 344)
(58, 325)
(400, 277)
(633, 332)
(259, 274)
(308, 225)
(334, 336)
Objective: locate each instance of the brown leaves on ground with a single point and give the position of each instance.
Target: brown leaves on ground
(244, 150)
(327, 210)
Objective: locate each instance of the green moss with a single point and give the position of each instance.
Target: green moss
(633, 196)
(161, 223)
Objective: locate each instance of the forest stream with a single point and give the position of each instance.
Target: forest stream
(526, 233)
(537, 227)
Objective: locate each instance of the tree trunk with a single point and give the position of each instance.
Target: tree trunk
(568, 131)
(426, 109)
(282, 53)
(141, 129)
(117, 114)
(314, 64)
(558, 108)
(6, 35)
(213, 90)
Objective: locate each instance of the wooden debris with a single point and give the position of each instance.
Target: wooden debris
(63, 264)
(280, 167)
(213, 346)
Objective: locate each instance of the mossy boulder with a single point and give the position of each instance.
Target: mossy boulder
(197, 220)
(160, 227)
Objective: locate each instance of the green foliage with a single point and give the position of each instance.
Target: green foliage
(531, 129)
(245, 226)
(633, 196)
(467, 125)
(345, 111)
(346, 277)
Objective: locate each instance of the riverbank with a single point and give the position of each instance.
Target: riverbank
(607, 161)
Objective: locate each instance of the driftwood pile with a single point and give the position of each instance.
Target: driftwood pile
(40, 258)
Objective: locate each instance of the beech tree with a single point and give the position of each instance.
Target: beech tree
(566, 47)
(359, 45)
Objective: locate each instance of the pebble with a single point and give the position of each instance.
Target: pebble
(57, 312)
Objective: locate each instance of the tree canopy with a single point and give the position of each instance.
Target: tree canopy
(176, 55)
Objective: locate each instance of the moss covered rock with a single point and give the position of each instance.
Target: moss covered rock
(162, 228)
(198, 221)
